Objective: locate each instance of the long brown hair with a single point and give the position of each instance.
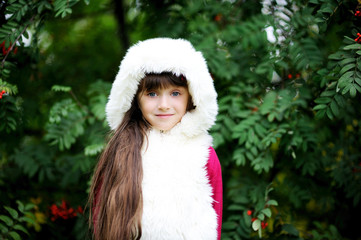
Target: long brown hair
(115, 198)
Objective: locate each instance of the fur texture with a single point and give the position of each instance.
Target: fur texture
(177, 196)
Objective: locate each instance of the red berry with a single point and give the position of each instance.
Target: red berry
(254, 219)
(289, 76)
(3, 91)
(358, 39)
(264, 225)
(218, 17)
(249, 212)
(80, 210)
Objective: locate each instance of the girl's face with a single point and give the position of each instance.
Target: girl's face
(164, 107)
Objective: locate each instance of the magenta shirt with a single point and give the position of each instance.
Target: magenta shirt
(214, 174)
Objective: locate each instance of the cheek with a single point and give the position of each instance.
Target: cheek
(185, 104)
(143, 105)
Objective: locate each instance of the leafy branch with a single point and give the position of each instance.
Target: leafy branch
(16, 40)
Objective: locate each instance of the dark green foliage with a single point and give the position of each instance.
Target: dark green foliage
(13, 225)
(288, 128)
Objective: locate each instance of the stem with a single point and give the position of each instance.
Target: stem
(334, 11)
(76, 99)
(17, 39)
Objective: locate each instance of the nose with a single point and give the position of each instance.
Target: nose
(163, 103)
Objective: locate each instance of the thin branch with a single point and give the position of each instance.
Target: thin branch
(334, 11)
(17, 39)
(76, 99)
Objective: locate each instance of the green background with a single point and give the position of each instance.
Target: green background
(287, 134)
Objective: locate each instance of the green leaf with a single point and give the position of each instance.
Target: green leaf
(352, 91)
(346, 88)
(15, 235)
(229, 225)
(20, 206)
(236, 207)
(3, 228)
(268, 102)
(329, 113)
(256, 224)
(345, 77)
(353, 46)
(239, 158)
(272, 203)
(347, 60)
(336, 56)
(7, 220)
(267, 212)
(340, 100)
(27, 219)
(323, 100)
(14, 214)
(358, 88)
(329, 93)
(21, 228)
(347, 68)
(29, 206)
(260, 216)
(358, 81)
(334, 108)
(59, 88)
(320, 106)
(271, 117)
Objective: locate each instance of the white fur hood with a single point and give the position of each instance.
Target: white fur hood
(165, 55)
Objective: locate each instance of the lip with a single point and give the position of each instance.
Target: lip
(164, 115)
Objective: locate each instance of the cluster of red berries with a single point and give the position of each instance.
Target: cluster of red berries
(263, 223)
(63, 211)
(6, 50)
(358, 39)
(290, 76)
(358, 13)
(2, 93)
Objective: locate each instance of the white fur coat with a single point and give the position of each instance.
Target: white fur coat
(177, 196)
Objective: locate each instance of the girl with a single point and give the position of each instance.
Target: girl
(159, 177)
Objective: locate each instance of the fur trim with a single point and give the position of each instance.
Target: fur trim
(177, 196)
(159, 55)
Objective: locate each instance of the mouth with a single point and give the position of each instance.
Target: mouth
(164, 115)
